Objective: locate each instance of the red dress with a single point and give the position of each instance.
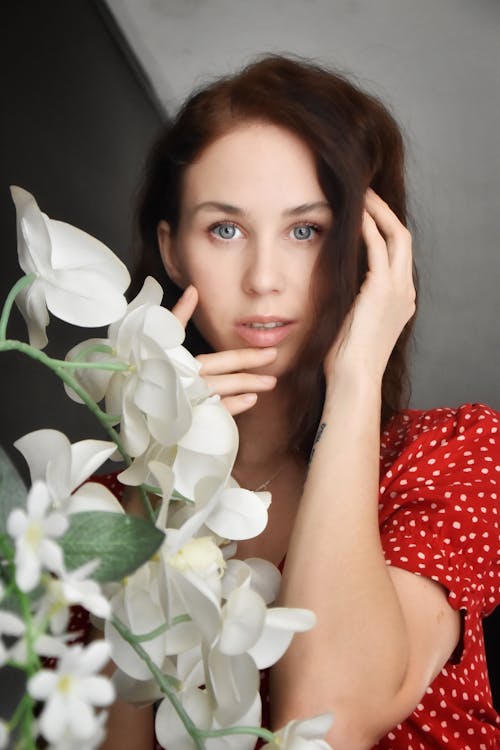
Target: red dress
(438, 517)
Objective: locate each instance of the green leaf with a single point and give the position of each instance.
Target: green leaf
(122, 543)
(13, 491)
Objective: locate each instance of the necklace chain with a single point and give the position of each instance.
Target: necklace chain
(266, 484)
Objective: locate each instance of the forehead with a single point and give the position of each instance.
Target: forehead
(252, 164)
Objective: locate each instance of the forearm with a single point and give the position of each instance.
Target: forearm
(354, 661)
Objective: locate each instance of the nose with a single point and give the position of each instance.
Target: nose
(264, 271)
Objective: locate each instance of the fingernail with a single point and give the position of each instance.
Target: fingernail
(267, 379)
(249, 398)
(270, 350)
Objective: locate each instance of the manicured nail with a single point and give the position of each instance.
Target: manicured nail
(249, 398)
(267, 379)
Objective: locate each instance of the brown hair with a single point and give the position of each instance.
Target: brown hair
(355, 143)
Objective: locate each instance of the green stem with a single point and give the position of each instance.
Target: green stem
(17, 715)
(161, 629)
(71, 382)
(168, 685)
(18, 286)
(116, 366)
(257, 731)
(103, 348)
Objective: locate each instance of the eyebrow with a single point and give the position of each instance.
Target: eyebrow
(235, 211)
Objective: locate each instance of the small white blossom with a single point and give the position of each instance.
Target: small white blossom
(4, 734)
(70, 693)
(68, 742)
(10, 624)
(34, 533)
(303, 735)
(77, 277)
(64, 467)
(72, 587)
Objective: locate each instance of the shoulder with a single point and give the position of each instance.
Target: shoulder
(470, 427)
(439, 491)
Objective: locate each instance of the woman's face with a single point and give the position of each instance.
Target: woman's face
(253, 217)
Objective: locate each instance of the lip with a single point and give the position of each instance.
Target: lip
(262, 337)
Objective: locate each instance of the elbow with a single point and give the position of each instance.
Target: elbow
(358, 722)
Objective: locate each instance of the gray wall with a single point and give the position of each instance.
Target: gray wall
(437, 64)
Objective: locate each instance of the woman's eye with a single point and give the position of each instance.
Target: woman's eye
(225, 231)
(304, 232)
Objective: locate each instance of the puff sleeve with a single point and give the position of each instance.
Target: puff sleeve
(439, 491)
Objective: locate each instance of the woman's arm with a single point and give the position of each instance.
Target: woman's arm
(382, 633)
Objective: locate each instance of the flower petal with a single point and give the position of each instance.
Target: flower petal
(94, 657)
(265, 578)
(42, 684)
(94, 496)
(95, 382)
(72, 248)
(32, 306)
(99, 305)
(33, 240)
(170, 730)
(96, 690)
(239, 514)
(213, 430)
(281, 623)
(243, 618)
(39, 447)
(86, 457)
(162, 326)
(234, 682)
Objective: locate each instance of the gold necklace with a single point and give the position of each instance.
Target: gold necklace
(265, 484)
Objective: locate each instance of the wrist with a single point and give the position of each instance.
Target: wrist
(356, 389)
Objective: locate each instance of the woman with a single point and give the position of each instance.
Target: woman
(276, 204)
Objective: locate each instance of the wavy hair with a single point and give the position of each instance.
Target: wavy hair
(355, 143)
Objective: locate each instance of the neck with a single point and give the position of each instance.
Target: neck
(264, 432)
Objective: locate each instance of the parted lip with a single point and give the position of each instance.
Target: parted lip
(262, 319)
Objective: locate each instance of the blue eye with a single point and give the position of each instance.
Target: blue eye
(304, 231)
(224, 231)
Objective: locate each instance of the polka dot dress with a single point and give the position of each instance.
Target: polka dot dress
(438, 517)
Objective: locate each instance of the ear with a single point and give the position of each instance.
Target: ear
(169, 256)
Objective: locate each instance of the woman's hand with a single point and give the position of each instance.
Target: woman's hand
(226, 372)
(386, 300)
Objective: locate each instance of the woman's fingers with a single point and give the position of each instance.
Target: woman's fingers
(227, 374)
(376, 247)
(238, 404)
(235, 360)
(238, 383)
(186, 305)
(390, 230)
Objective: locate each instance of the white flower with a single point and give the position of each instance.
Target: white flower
(149, 397)
(77, 277)
(71, 691)
(303, 735)
(4, 734)
(34, 532)
(68, 742)
(11, 625)
(72, 588)
(169, 728)
(63, 467)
